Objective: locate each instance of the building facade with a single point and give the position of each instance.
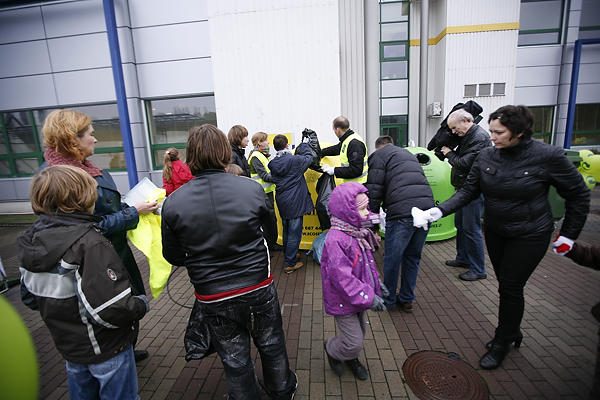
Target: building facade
(281, 66)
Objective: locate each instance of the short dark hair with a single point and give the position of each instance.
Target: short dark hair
(383, 140)
(280, 142)
(207, 148)
(341, 122)
(236, 134)
(518, 119)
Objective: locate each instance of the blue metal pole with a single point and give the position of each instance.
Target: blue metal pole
(117, 69)
(573, 89)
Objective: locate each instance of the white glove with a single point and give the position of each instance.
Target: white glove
(562, 245)
(327, 169)
(434, 214)
(420, 218)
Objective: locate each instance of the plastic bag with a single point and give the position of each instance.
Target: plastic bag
(325, 185)
(310, 137)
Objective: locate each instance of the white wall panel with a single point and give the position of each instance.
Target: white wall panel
(276, 65)
(469, 12)
(73, 18)
(533, 56)
(19, 25)
(24, 58)
(7, 190)
(89, 86)
(22, 187)
(79, 52)
(588, 93)
(536, 96)
(538, 76)
(175, 78)
(171, 42)
(27, 92)
(160, 12)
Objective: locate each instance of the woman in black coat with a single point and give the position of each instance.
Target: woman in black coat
(238, 138)
(514, 177)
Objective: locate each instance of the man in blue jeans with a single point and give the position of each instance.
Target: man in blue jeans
(469, 239)
(396, 181)
(291, 195)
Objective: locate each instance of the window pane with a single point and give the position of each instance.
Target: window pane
(20, 132)
(109, 160)
(394, 88)
(394, 51)
(171, 119)
(499, 89)
(470, 90)
(394, 106)
(542, 123)
(590, 13)
(485, 89)
(393, 119)
(4, 168)
(587, 117)
(540, 15)
(394, 12)
(394, 69)
(538, 38)
(394, 32)
(27, 166)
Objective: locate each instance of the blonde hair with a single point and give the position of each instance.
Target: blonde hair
(63, 188)
(259, 137)
(234, 169)
(61, 130)
(172, 154)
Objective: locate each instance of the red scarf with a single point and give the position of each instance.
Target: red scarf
(53, 157)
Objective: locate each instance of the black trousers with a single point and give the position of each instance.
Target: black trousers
(514, 259)
(270, 229)
(232, 323)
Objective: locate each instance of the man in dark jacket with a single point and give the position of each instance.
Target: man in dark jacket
(397, 181)
(292, 195)
(469, 239)
(352, 151)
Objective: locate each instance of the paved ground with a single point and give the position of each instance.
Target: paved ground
(555, 361)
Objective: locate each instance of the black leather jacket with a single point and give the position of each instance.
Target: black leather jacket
(465, 154)
(213, 226)
(515, 183)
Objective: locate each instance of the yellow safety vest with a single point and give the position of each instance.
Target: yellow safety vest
(344, 158)
(268, 187)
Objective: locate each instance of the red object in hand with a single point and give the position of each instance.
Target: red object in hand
(563, 248)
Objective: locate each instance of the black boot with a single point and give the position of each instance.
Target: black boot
(336, 365)
(516, 339)
(359, 370)
(494, 357)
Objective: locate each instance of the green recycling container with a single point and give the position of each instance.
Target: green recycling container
(557, 203)
(438, 175)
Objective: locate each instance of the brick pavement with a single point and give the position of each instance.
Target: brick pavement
(555, 360)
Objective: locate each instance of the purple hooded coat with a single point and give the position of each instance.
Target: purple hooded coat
(350, 278)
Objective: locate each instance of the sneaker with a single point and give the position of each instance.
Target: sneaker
(407, 307)
(471, 276)
(336, 365)
(291, 268)
(140, 355)
(359, 370)
(456, 264)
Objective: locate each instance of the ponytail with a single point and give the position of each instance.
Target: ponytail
(170, 155)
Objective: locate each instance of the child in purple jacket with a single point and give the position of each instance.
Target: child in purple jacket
(350, 280)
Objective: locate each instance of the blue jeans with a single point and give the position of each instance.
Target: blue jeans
(403, 246)
(115, 378)
(469, 239)
(232, 323)
(292, 235)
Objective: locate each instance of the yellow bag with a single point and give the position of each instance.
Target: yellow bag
(147, 238)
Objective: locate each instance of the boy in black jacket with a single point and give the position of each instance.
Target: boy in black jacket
(74, 277)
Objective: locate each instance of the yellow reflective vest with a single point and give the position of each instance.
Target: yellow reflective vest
(268, 187)
(344, 159)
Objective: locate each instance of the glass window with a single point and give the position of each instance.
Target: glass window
(394, 32)
(542, 123)
(394, 12)
(171, 119)
(540, 22)
(485, 89)
(394, 69)
(394, 106)
(394, 88)
(499, 89)
(586, 130)
(391, 51)
(589, 25)
(470, 90)
(395, 126)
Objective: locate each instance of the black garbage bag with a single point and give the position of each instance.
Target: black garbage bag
(197, 336)
(445, 137)
(325, 185)
(309, 136)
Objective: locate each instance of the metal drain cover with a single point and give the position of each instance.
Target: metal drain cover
(433, 375)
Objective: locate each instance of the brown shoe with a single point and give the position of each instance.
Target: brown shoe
(405, 307)
(291, 268)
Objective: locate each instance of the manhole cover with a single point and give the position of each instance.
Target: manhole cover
(433, 375)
